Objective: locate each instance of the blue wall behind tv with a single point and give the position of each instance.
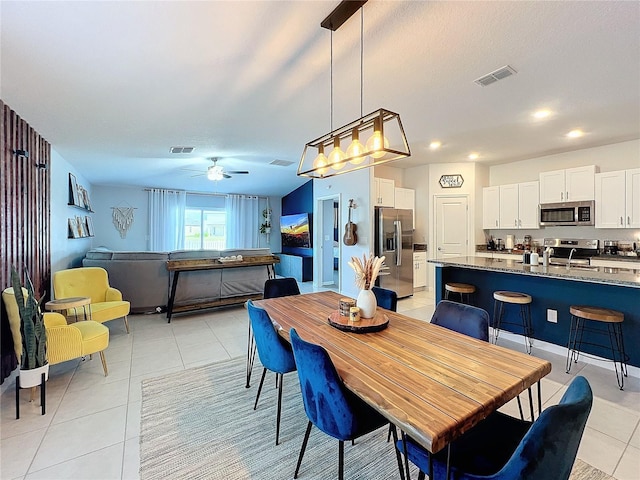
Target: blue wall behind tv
(299, 201)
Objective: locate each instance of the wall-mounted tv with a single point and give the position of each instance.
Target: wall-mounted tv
(294, 230)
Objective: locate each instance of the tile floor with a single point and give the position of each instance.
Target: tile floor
(91, 428)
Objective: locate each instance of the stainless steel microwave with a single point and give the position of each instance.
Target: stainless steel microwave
(567, 213)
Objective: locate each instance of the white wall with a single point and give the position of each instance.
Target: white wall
(105, 198)
(356, 185)
(65, 252)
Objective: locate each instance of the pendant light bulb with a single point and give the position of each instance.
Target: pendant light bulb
(336, 157)
(377, 141)
(356, 149)
(320, 162)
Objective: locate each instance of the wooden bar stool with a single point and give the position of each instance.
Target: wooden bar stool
(460, 288)
(503, 297)
(602, 316)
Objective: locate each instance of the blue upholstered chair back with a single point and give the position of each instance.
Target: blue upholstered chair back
(550, 446)
(274, 352)
(466, 319)
(324, 396)
(280, 287)
(386, 298)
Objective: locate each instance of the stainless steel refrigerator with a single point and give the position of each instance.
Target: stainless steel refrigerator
(394, 240)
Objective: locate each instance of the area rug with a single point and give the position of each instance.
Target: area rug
(200, 423)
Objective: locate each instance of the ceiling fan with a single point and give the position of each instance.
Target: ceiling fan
(216, 172)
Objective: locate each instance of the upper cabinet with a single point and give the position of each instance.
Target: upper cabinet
(491, 207)
(618, 199)
(519, 205)
(385, 193)
(572, 184)
(510, 206)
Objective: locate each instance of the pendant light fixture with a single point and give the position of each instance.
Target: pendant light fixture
(386, 140)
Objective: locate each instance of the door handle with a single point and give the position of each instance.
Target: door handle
(515, 222)
(628, 220)
(621, 221)
(496, 223)
(561, 195)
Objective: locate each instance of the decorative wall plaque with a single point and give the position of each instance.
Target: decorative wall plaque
(451, 181)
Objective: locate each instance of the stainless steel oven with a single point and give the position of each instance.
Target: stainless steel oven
(567, 213)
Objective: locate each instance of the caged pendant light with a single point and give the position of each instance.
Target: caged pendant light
(382, 130)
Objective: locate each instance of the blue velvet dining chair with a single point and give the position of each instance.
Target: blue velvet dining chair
(504, 448)
(275, 354)
(280, 287)
(466, 319)
(386, 298)
(329, 405)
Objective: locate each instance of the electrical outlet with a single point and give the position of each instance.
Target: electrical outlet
(552, 316)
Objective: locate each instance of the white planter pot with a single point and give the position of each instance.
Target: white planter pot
(366, 301)
(33, 377)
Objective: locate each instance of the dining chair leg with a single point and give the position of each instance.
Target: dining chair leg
(104, 363)
(304, 446)
(421, 475)
(264, 372)
(279, 406)
(126, 323)
(340, 460)
(394, 433)
(406, 455)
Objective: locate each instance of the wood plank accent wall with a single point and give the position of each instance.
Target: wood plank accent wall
(25, 228)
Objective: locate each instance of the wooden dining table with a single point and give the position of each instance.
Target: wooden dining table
(432, 383)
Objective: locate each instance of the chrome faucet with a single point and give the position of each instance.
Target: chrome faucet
(573, 250)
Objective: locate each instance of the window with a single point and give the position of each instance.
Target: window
(205, 228)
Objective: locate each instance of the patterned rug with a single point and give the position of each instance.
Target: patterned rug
(200, 423)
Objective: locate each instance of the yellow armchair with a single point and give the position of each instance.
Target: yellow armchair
(64, 342)
(92, 282)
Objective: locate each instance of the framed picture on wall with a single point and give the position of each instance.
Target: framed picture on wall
(74, 198)
(89, 223)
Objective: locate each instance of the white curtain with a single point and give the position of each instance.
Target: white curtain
(166, 220)
(243, 221)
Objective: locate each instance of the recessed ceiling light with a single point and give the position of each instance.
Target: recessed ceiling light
(473, 156)
(540, 114)
(435, 145)
(575, 133)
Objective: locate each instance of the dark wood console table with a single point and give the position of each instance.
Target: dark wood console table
(187, 265)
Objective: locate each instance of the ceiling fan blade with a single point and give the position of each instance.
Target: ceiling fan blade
(226, 176)
(237, 172)
(197, 175)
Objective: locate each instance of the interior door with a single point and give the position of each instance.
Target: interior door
(329, 237)
(451, 228)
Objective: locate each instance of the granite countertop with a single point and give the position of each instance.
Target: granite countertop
(602, 256)
(606, 275)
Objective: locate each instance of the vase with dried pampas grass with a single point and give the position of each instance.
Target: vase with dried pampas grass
(366, 271)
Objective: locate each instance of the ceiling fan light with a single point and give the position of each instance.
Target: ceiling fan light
(214, 173)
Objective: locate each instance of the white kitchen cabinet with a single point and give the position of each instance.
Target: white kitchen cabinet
(406, 198)
(385, 193)
(419, 269)
(491, 207)
(569, 185)
(509, 206)
(528, 201)
(618, 199)
(519, 205)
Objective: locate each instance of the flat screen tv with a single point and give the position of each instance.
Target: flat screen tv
(294, 230)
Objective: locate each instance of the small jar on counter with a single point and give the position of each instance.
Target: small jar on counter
(526, 257)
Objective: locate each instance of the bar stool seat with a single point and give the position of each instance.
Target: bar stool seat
(603, 316)
(461, 289)
(502, 298)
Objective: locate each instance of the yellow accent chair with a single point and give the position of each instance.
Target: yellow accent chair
(92, 282)
(64, 342)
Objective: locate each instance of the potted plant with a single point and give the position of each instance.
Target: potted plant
(33, 362)
(266, 224)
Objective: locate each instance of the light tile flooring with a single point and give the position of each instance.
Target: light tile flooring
(91, 428)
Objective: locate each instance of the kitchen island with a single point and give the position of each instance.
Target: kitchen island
(552, 288)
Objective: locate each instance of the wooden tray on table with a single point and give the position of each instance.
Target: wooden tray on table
(380, 321)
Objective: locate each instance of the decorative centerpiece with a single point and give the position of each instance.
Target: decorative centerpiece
(366, 271)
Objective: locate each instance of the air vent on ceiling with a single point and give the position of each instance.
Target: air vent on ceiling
(496, 75)
(281, 163)
(181, 149)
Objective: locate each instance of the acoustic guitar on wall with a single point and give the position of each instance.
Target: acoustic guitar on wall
(350, 237)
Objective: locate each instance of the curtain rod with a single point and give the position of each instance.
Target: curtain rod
(205, 194)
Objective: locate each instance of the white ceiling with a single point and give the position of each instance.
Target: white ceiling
(113, 85)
